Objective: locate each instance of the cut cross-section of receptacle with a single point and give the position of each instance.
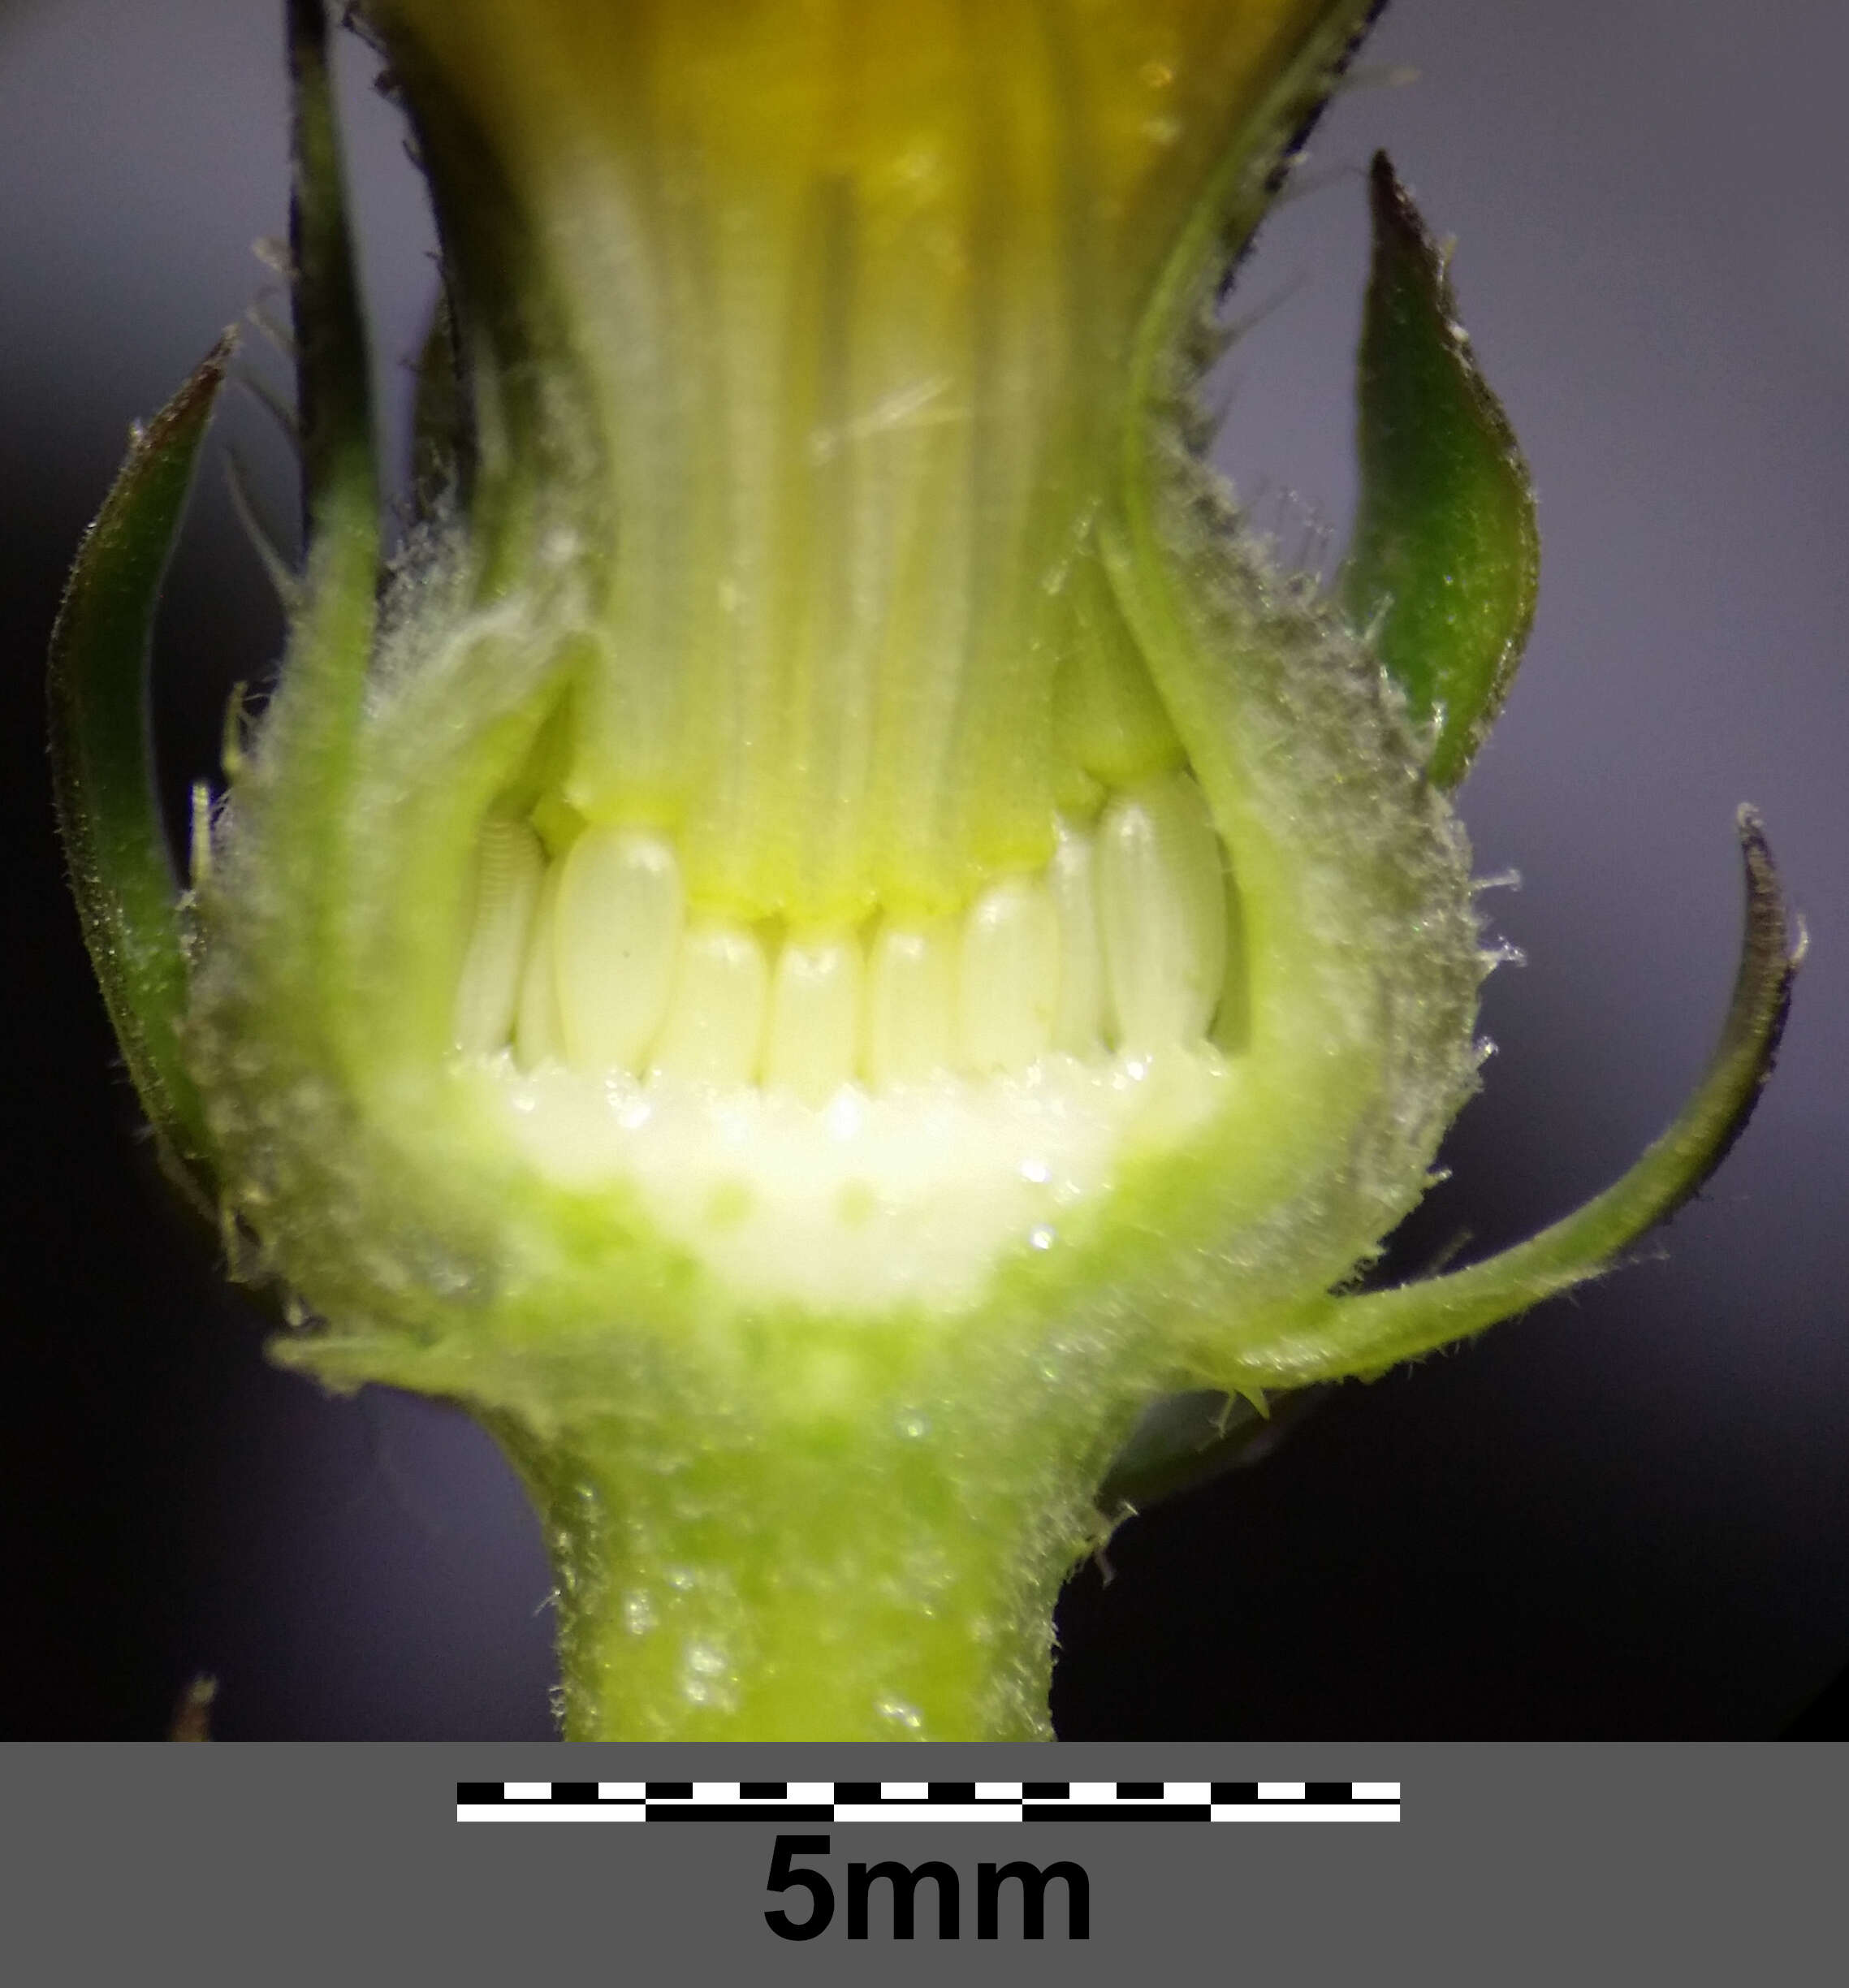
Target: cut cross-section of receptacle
(861, 1116)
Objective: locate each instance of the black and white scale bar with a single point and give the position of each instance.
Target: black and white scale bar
(927, 1801)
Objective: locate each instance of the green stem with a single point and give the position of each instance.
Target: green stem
(843, 1585)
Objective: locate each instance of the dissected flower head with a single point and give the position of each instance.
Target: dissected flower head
(833, 926)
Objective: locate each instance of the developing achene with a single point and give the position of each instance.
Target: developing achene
(861, 1116)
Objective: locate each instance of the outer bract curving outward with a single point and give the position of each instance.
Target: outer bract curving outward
(827, 929)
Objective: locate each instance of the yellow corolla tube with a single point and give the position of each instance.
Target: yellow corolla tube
(849, 295)
(829, 930)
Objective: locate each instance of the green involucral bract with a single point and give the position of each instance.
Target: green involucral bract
(828, 928)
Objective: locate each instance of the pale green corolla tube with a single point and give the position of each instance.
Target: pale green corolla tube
(827, 929)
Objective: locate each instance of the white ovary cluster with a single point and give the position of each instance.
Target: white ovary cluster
(859, 1116)
(597, 962)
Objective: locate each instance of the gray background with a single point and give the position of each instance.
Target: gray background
(1626, 1515)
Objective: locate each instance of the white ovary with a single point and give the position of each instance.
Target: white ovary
(1008, 976)
(812, 1040)
(616, 940)
(847, 1123)
(1078, 1014)
(1161, 886)
(911, 997)
(510, 871)
(714, 1030)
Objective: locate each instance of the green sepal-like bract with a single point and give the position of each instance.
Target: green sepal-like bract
(333, 391)
(109, 810)
(1445, 556)
(1365, 1334)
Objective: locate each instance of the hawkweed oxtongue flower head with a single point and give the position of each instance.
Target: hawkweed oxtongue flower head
(831, 928)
